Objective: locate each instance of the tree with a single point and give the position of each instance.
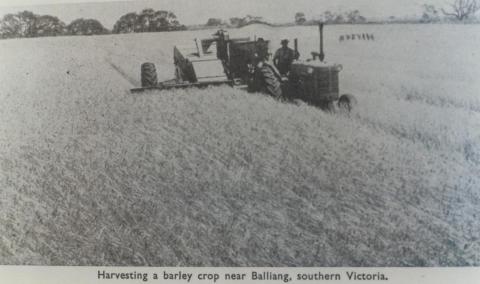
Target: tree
(27, 24)
(248, 19)
(300, 18)
(213, 22)
(86, 27)
(462, 9)
(148, 20)
(328, 17)
(126, 24)
(145, 21)
(430, 14)
(339, 19)
(18, 25)
(236, 22)
(354, 17)
(48, 26)
(252, 19)
(10, 26)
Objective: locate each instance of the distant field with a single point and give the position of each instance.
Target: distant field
(93, 175)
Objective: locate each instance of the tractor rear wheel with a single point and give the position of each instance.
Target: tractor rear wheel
(149, 75)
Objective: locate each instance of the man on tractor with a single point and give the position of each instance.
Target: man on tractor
(284, 58)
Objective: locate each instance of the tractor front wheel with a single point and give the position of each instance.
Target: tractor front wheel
(347, 102)
(149, 75)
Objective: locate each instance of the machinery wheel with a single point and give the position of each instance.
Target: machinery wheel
(327, 106)
(272, 84)
(149, 75)
(347, 102)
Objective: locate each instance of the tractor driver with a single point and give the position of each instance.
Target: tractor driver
(284, 57)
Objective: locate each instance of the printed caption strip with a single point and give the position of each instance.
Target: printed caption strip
(89, 275)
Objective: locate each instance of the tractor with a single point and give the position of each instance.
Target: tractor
(243, 63)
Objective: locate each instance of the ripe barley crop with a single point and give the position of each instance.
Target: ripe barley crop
(93, 175)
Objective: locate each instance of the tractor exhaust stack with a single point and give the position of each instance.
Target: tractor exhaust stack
(322, 54)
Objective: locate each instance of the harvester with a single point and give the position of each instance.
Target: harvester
(243, 63)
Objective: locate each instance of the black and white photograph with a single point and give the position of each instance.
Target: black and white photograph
(240, 133)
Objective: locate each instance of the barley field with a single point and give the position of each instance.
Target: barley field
(91, 174)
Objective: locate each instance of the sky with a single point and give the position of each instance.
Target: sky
(191, 12)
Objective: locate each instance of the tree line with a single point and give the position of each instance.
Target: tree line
(331, 17)
(236, 22)
(457, 11)
(351, 17)
(26, 24)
